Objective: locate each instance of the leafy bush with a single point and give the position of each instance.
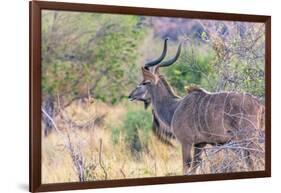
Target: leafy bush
(89, 54)
(204, 66)
(136, 126)
(193, 67)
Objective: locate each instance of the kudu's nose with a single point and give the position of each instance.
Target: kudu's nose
(130, 97)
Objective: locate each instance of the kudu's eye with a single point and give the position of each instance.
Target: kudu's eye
(145, 82)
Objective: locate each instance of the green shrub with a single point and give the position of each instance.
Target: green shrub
(136, 126)
(193, 67)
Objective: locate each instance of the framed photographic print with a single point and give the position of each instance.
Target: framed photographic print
(123, 96)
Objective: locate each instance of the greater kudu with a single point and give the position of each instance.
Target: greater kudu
(140, 93)
(201, 117)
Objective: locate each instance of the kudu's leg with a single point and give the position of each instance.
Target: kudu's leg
(198, 149)
(186, 155)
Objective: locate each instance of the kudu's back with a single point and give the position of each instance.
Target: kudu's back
(217, 117)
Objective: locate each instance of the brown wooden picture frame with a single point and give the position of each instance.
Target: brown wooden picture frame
(36, 7)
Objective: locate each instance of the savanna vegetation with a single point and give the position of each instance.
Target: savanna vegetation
(91, 62)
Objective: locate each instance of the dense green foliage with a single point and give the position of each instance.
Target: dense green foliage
(89, 55)
(192, 69)
(201, 66)
(136, 126)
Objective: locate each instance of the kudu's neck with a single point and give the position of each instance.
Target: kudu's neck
(164, 101)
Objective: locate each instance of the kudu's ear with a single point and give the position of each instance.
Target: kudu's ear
(147, 75)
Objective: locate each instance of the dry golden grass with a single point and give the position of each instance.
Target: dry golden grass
(119, 163)
(102, 159)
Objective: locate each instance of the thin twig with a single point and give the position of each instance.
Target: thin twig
(100, 161)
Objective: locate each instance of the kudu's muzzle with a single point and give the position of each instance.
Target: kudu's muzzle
(131, 96)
